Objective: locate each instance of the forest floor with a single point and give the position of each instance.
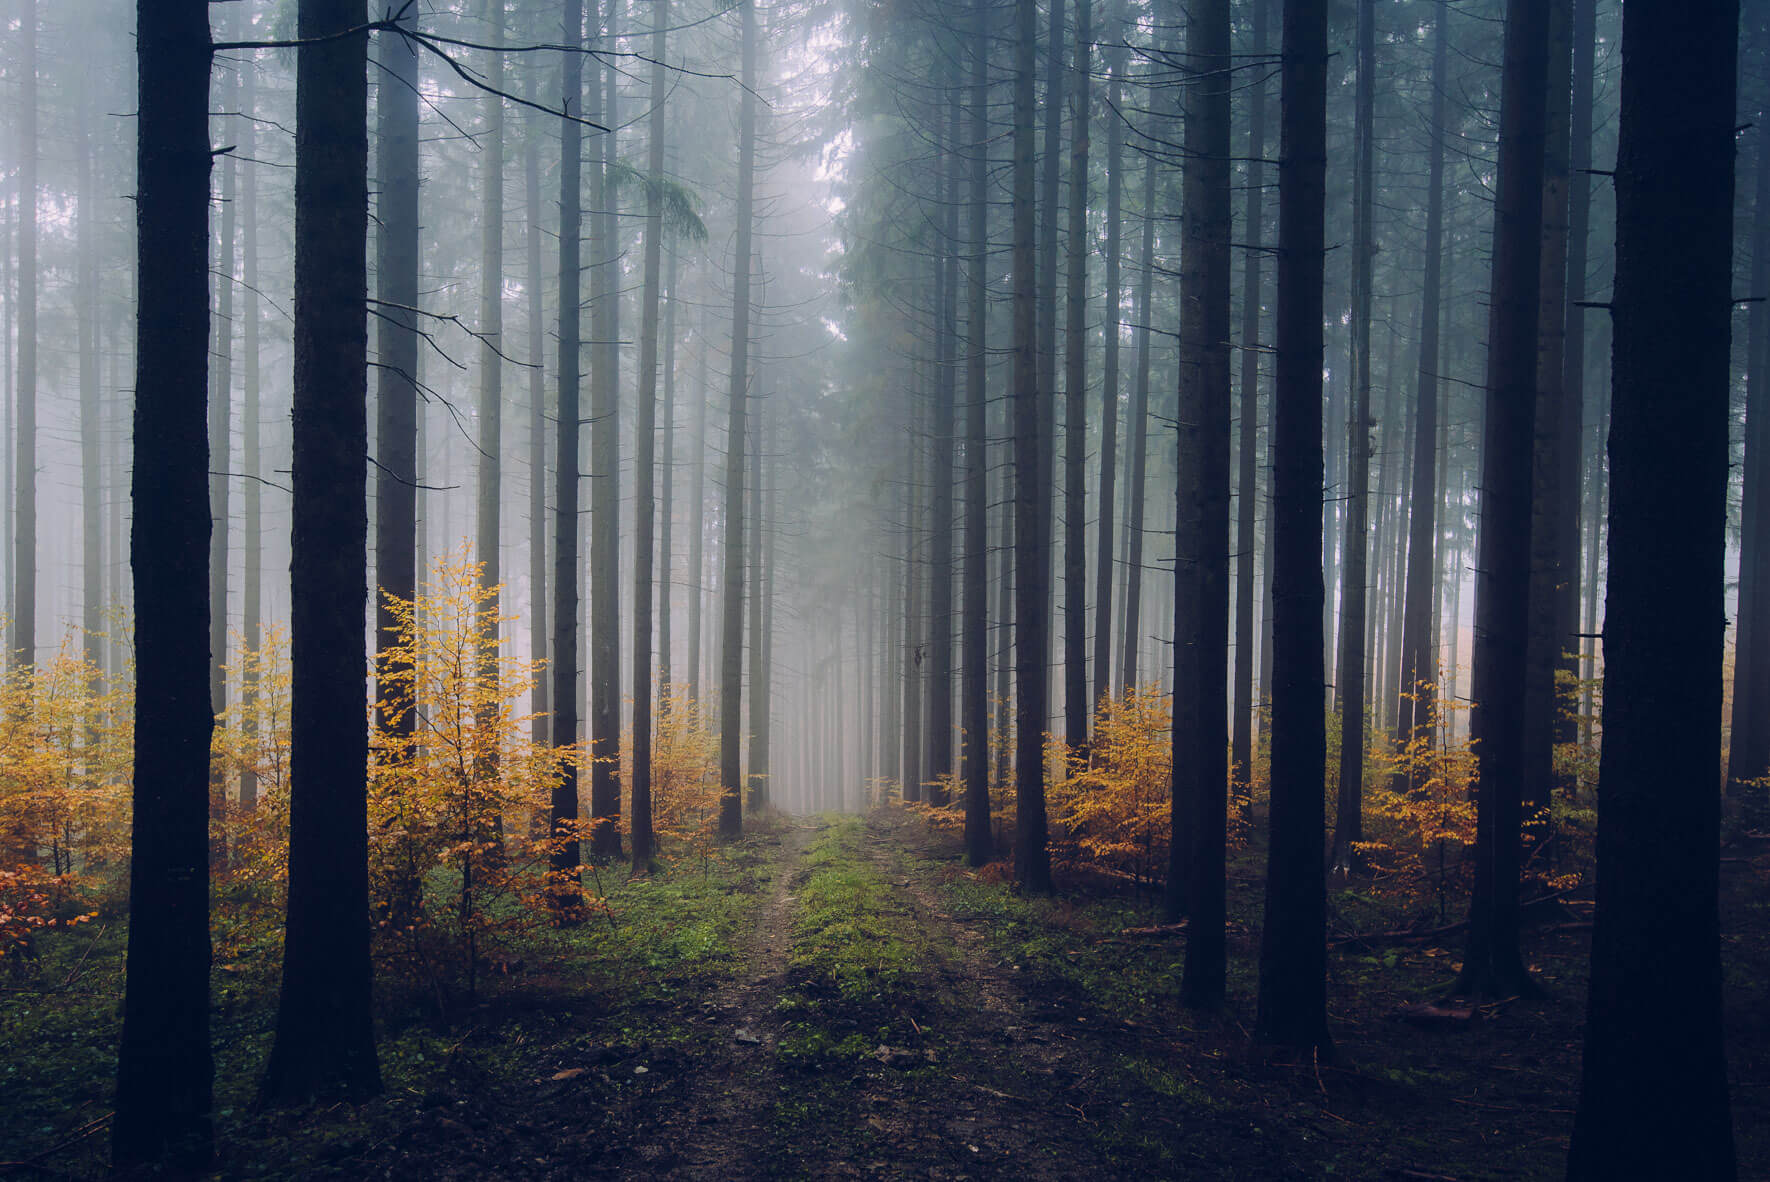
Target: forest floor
(838, 998)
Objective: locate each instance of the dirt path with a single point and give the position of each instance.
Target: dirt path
(726, 1113)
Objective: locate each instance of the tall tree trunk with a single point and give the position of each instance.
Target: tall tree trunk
(1032, 502)
(1653, 1091)
(667, 506)
(1748, 749)
(1137, 432)
(221, 387)
(1241, 747)
(645, 431)
(1419, 649)
(325, 1038)
(86, 297)
(605, 481)
(731, 659)
(1201, 613)
(1109, 359)
(1543, 642)
(491, 337)
(1076, 706)
(1292, 1009)
(1493, 965)
(164, 1064)
(564, 858)
(251, 447)
(24, 467)
(697, 497)
(974, 628)
(940, 566)
(755, 783)
(537, 345)
(396, 397)
(1349, 813)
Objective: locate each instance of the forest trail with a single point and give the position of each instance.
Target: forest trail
(943, 1065)
(724, 1116)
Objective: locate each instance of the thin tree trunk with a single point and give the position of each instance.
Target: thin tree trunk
(644, 472)
(1349, 813)
(940, 565)
(732, 655)
(1032, 508)
(1137, 429)
(1109, 360)
(564, 892)
(974, 630)
(1419, 649)
(1543, 642)
(537, 343)
(251, 446)
(491, 335)
(1241, 757)
(697, 496)
(605, 500)
(1076, 706)
(24, 468)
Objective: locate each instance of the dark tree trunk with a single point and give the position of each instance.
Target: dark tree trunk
(667, 502)
(1032, 501)
(1137, 436)
(1419, 648)
(251, 461)
(974, 632)
(1354, 568)
(755, 782)
(605, 485)
(1076, 706)
(24, 416)
(1201, 619)
(1109, 359)
(86, 295)
(164, 1065)
(562, 821)
(1653, 1092)
(221, 387)
(535, 282)
(325, 1038)
(1492, 964)
(1544, 641)
(940, 567)
(1748, 748)
(396, 388)
(1241, 751)
(731, 659)
(491, 335)
(644, 475)
(697, 497)
(1292, 1010)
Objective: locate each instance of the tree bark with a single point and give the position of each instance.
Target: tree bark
(1350, 684)
(645, 430)
(1292, 1007)
(1032, 502)
(605, 500)
(1076, 705)
(731, 659)
(1201, 617)
(1653, 1090)
(564, 859)
(974, 631)
(1492, 964)
(164, 1063)
(325, 1040)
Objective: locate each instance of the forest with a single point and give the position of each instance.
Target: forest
(722, 589)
